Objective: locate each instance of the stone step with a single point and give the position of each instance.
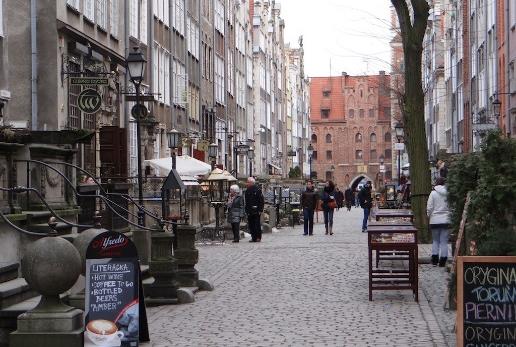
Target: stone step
(9, 315)
(14, 291)
(9, 272)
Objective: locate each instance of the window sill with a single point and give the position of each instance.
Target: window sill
(102, 29)
(73, 9)
(113, 37)
(89, 21)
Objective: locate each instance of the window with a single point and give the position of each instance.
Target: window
(358, 137)
(328, 138)
(325, 114)
(192, 32)
(231, 69)
(219, 16)
(89, 10)
(133, 18)
(387, 112)
(138, 20)
(219, 80)
(102, 13)
(314, 138)
(359, 154)
(351, 113)
(329, 155)
(113, 18)
(372, 155)
(372, 137)
(361, 113)
(314, 155)
(161, 73)
(326, 93)
(179, 78)
(161, 11)
(512, 8)
(371, 112)
(178, 16)
(387, 137)
(388, 154)
(143, 21)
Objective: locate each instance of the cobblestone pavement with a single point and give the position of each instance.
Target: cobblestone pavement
(294, 290)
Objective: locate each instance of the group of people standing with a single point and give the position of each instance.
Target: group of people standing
(251, 205)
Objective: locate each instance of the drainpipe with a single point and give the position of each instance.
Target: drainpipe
(34, 65)
(507, 52)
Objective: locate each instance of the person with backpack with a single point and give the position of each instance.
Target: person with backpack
(329, 203)
(439, 213)
(366, 202)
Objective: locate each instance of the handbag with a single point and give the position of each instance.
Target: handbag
(332, 204)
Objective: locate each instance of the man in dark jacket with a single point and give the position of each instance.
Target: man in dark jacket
(253, 208)
(308, 203)
(366, 202)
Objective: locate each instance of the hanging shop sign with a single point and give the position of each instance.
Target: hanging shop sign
(89, 81)
(89, 101)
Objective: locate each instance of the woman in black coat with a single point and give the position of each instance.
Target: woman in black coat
(329, 204)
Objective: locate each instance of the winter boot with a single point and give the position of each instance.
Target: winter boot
(331, 230)
(442, 261)
(326, 227)
(435, 260)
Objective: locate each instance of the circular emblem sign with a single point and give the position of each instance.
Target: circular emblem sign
(89, 101)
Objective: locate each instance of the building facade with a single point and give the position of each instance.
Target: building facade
(351, 128)
(476, 40)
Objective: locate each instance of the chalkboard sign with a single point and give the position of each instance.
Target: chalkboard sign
(112, 305)
(486, 301)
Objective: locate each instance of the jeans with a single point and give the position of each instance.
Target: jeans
(440, 242)
(328, 218)
(236, 231)
(253, 221)
(308, 218)
(366, 217)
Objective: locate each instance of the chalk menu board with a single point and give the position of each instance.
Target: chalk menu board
(486, 301)
(112, 292)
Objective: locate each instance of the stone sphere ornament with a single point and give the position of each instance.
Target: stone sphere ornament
(82, 242)
(51, 266)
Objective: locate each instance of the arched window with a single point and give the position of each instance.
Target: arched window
(373, 137)
(387, 137)
(328, 138)
(314, 138)
(351, 113)
(359, 155)
(358, 137)
(388, 154)
(372, 155)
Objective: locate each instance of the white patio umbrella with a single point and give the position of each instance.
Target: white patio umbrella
(185, 166)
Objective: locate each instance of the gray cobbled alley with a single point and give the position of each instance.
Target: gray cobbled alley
(295, 290)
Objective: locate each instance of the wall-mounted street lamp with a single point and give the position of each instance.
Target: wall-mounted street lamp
(136, 66)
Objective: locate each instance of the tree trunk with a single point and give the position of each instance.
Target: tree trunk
(413, 108)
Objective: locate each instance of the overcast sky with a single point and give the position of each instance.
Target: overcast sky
(354, 35)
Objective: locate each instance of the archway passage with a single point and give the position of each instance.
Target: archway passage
(356, 181)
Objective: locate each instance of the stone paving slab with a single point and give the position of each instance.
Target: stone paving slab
(294, 290)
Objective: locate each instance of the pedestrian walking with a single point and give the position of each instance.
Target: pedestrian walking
(309, 203)
(329, 204)
(439, 213)
(339, 196)
(349, 197)
(357, 200)
(366, 202)
(253, 208)
(235, 207)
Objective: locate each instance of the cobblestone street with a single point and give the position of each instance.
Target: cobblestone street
(295, 290)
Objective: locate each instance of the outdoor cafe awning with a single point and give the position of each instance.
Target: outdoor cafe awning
(185, 166)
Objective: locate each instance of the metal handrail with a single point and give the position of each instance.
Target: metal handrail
(28, 189)
(125, 196)
(107, 201)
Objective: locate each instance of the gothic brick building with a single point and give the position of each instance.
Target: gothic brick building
(351, 128)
